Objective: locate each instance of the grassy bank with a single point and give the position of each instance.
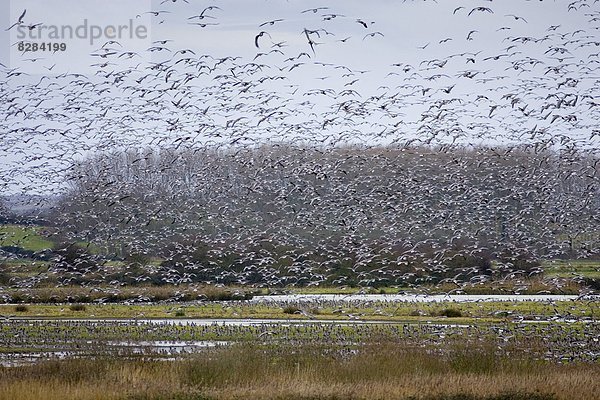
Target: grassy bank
(373, 310)
(151, 293)
(137, 294)
(376, 371)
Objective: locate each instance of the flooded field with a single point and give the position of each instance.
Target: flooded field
(30, 341)
(417, 298)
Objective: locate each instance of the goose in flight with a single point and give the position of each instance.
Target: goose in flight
(19, 21)
(315, 10)
(480, 9)
(364, 23)
(261, 34)
(373, 34)
(272, 22)
(210, 8)
(516, 17)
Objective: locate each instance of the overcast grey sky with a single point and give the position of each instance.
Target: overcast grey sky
(406, 25)
(491, 70)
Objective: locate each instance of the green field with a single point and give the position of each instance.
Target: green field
(572, 268)
(467, 312)
(28, 238)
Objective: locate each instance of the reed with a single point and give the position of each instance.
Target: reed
(373, 371)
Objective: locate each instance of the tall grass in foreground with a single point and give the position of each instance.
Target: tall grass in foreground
(383, 371)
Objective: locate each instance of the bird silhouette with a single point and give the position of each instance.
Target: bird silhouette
(19, 20)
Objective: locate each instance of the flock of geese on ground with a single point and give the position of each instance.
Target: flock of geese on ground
(556, 343)
(494, 144)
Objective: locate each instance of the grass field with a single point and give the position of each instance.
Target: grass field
(28, 238)
(397, 311)
(572, 268)
(47, 290)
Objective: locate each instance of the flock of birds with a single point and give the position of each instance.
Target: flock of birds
(440, 154)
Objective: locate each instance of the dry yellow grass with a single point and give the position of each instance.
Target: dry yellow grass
(564, 386)
(292, 373)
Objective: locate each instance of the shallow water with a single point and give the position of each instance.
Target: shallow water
(152, 349)
(415, 298)
(165, 347)
(168, 343)
(242, 322)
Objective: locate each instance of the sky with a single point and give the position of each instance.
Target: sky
(446, 71)
(405, 24)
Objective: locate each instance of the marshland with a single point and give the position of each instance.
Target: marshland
(263, 199)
